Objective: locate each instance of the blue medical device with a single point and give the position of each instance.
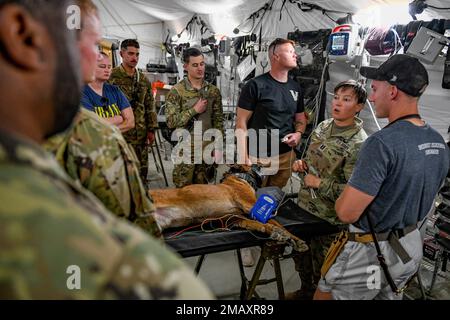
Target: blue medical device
(263, 208)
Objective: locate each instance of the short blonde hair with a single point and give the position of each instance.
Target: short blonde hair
(279, 41)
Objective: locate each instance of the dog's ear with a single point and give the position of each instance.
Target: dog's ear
(239, 168)
(257, 174)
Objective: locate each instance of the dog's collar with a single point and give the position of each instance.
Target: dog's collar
(248, 178)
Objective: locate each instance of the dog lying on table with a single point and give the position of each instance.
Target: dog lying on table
(233, 197)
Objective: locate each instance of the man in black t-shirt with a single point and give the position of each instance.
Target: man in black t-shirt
(270, 110)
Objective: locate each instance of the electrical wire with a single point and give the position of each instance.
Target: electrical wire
(176, 234)
(253, 25)
(254, 15)
(325, 13)
(437, 8)
(269, 8)
(317, 102)
(225, 225)
(292, 20)
(313, 6)
(373, 115)
(281, 9)
(397, 39)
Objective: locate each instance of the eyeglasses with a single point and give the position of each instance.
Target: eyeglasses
(276, 42)
(279, 41)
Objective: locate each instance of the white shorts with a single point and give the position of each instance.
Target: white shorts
(357, 274)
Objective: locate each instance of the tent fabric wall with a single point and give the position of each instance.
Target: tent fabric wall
(123, 19)
(150, 21)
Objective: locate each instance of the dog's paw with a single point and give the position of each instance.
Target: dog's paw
(300, 246)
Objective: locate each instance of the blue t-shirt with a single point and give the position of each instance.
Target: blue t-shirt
(109, 105)
(403, 167)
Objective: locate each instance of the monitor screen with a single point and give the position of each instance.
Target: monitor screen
(338, 42)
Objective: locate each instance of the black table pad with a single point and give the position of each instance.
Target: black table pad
(197, 242)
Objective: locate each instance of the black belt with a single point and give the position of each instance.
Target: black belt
(392, 237)
(383, 236)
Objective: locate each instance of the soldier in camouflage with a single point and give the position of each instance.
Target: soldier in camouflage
(137, 88)
(95, 153)
(57, 240)
(49, 223)
(194, 100)
(326, 168)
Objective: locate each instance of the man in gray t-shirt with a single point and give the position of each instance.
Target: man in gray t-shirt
(398, 173)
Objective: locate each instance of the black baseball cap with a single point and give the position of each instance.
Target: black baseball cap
(401, 70)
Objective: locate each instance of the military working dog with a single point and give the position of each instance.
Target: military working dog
(233, 199)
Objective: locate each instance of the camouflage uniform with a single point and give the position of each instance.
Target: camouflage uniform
(137, 89)
(181, 114)
(331, 156)
(96, 154)
(48, 223)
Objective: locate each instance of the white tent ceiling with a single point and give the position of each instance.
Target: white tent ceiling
(150, 21)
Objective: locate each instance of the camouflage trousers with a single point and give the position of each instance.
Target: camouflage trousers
(186, 174)
(309, 263)
(142, 150)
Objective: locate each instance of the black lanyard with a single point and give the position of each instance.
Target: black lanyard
(408, 116)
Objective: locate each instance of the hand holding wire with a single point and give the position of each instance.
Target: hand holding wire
(311, 181)
(292, 139)
(300, 166)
